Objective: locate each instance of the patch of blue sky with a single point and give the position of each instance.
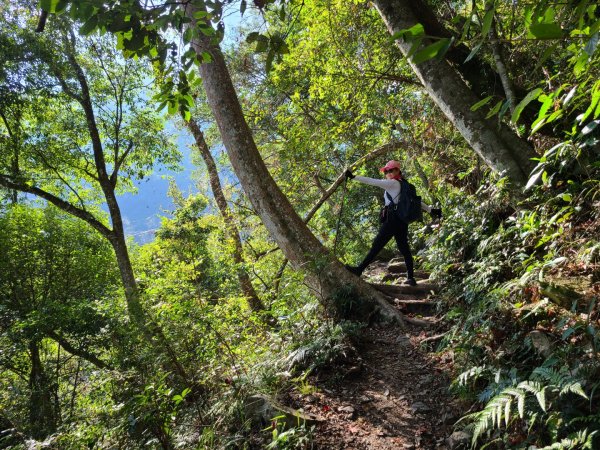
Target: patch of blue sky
(142, 210)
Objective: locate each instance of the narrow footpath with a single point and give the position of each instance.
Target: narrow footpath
(391, 392)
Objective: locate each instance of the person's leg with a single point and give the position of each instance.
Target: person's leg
(386, 231)
(401, 235)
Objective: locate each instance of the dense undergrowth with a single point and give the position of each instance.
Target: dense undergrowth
(124, 393)
(521, 287)
(522, 284)
(521, 279)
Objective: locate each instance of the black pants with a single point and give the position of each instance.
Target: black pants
(391, 227)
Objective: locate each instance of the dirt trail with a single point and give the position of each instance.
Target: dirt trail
(392, 393)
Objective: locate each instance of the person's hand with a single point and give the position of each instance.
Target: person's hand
(436, 213)
(348, 174)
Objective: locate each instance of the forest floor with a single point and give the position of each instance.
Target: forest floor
(392, 390)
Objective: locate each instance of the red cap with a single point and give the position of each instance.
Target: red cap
(390, 165)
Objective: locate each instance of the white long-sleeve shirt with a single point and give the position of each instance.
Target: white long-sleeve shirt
(392, 187)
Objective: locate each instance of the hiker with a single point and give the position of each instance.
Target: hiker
(391, 225)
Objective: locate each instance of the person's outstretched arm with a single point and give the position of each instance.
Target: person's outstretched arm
(388, 185)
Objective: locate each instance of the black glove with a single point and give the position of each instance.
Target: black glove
(436, 213)
(349, 175)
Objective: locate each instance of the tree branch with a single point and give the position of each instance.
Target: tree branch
(118, 163)
(78, 351)
(59, 203)
(60, 177)
(501, 69)
(340, 179)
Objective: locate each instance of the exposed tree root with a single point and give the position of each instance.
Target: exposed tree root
(434, 338)
(387, 311)
(408, 292)
(419, 322)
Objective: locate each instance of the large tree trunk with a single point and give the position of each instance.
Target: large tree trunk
(481, 76)
(340, 291)
(248, 290)
(501, 149)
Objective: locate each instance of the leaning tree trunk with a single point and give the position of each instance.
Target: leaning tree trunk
(501, 149)
(339, 291)
(248, 290)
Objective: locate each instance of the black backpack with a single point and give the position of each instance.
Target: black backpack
(408, 209)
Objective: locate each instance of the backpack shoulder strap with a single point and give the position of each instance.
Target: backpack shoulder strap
(389, 197)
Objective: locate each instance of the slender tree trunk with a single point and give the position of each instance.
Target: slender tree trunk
(248, 290)
(15, 140)
(108, 183)
(507, 84)
(150, 330)
(119, 244)
(501, 149)
(42, 418)
(74, 391)
(340, 291)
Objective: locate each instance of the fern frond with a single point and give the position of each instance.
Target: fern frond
(537, 389)
(574, 388)
(531, 386)
(593, 419)
(473, 372)
(518, 394)
(496, 409)
(481, 426)
(582, 439)
(507, 411)
(564, 382)
(499, 409)
(552, 375)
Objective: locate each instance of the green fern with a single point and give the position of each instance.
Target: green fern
(590, 420)
(561, 381)
(499, 408)
(580, 440)
(472, 373)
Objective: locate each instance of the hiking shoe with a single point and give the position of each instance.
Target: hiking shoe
(355, 270)
(410, 282)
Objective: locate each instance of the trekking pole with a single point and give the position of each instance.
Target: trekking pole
(337, 228)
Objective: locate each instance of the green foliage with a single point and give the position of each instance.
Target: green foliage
(327, 345)
(152, 413)
(580, 440)
(548, 386)
(415, 35)
(535, 36)
(56, 145)
(55, 273)
(495, 260)
(59, 291)
(290, 438)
